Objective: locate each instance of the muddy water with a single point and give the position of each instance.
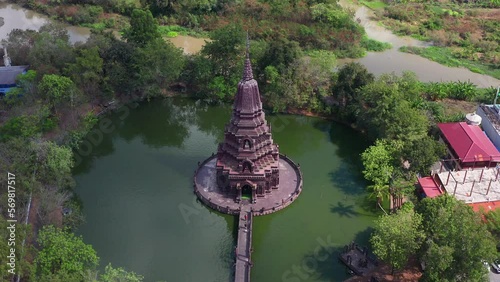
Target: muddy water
(394, 61)
(190, 45)
(16, 17)
(376, 62)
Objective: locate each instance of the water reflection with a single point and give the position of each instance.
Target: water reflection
(157, 124)
(16, 17)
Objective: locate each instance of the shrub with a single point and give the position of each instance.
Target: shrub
(397, 13)
(172, 34)
(374, 45)
(21, 126)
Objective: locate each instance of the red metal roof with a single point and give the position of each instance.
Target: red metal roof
(469, 142)
(429, 186)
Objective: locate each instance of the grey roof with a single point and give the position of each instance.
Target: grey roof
(8, 74)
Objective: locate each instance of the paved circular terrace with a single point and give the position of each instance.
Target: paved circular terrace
(205, 187)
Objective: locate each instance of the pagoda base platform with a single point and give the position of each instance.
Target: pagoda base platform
(290, 187)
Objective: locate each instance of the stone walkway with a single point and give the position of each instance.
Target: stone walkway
(244, 246)
(290, 187)
(205, 187)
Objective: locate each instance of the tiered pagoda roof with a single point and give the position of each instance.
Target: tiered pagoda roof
(248, 136)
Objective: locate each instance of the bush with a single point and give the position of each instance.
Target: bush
(433, 24)
(374, 45)
(397, 13)
(21, 126)
(172, 34)
(454, 90)
(87, 14)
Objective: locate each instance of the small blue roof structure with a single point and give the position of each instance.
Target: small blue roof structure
(8, 77)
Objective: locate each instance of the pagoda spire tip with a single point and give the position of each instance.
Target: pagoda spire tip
(247, 70)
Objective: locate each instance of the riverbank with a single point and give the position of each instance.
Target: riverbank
(462, 35)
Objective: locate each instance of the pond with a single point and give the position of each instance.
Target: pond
(135, 181)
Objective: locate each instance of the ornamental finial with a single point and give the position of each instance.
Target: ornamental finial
(247, 70)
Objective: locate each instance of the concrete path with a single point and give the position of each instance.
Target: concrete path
(244, 246)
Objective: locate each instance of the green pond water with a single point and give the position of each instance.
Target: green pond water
(134, 177)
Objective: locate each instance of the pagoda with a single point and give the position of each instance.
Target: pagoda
(247, 160)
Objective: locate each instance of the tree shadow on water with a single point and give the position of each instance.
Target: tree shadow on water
(348, 179)
(323, 262)
(344, 210)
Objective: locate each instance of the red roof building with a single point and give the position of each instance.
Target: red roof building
(468, 146)
(429, 187)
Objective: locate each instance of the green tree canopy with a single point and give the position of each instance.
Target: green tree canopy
(457, 241)
(423, 153)
(345, 86)
(87, 71)
(397, 237)
(218, 68)
(378, 168)
(387, 111)
(62, 251)
(112, 274)
(57, 89)
(331, 14)
(50, 50)
(157, 64)
(493, 222)
(143, 28)
(280, 53)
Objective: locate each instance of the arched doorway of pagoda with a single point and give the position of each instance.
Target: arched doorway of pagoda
(246, 192)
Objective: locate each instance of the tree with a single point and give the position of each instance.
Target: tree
(397, 236)
(423, 153)
(386, 111)
(157, 64)
(493, 221)
(19, 43)
(62, 252)
(455, 230)
(218, 68)
(331, 14)
(119, 65)
(26, 84)
(51, 51)
(280, 53)
(377, 161)
(226, 49)
(87, 71)
(345, 86)
(143, 28)
(405, 123)
(57, 89)
(119, 275)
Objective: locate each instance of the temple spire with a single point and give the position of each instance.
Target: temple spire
(247, 70)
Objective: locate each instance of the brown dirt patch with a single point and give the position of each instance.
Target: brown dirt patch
(455, 106)
(383, 273)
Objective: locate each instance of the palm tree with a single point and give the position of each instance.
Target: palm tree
(379, 191)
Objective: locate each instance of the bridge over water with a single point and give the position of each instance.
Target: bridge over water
(244, 246)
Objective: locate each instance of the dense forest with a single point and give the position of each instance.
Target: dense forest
(294, 46)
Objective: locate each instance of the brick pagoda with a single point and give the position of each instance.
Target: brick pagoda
(247, 159)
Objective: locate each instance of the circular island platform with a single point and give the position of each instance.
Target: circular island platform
(205, 187)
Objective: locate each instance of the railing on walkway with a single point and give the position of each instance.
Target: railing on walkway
(244, 246)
